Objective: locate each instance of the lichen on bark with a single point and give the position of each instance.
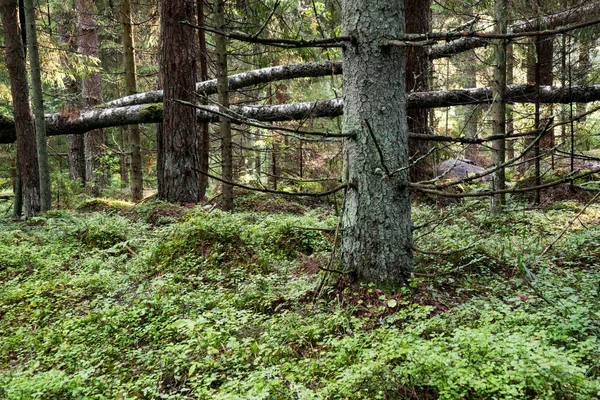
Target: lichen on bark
(377, 238)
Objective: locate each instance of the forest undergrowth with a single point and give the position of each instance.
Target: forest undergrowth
(156, 301)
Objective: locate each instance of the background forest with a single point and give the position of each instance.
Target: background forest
(188, 214)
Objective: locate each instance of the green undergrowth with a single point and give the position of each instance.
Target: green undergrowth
(157, 301)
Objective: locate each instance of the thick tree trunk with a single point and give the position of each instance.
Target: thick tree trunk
(417, 77)
(38, 104)
(25, 131)
(75, 146)
(224, 122)
(499, 105)
(95, 177)
(179, 145)
(377, 238)
(204, 126)
(137, 183)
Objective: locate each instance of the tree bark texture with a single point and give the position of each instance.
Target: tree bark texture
(417, 17)
(75, 145)
(58, 124)
(204, 144)
(499, 105)
(38, 104)
(137, 183)
(95, 177)
(179, 145)
(24, 127)
(223, 98)
(376, 222)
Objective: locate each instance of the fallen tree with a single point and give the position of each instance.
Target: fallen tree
(245, 79)
(59, 124)
(585, 12)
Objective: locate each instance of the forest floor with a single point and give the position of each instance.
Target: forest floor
(156, 301)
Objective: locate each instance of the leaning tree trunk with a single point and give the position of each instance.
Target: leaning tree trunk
(377, 237)
(499, 105)
(38, 104)
(417, 80)
(95, 177)
(25, 130)
(178, 149)
(137, 183)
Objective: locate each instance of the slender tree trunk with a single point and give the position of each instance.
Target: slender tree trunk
(204, 126)
(377, 237)
(472, 111)
(95, 177)
(18, 190)
(19, 87)
(178, 149)
(137, 183)
(124, 163)
(38, 105)
(223, 91)
(499, 104)
(510, 126)
(417, 73)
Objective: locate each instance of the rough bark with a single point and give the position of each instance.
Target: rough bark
(19, 87)
(58, 124)
(585, 12)
(38, 105)
(179, 145)
(75, 146)
(417, 74)
(223, 98)
(204, 131)
(499, 105)
(377, 238)
(95, 177)
(137, 183)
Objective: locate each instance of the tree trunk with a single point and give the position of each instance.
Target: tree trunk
(57, 124)
(95, 177)
(76, 152)
(25, 130)
(223, 91)
(75, 146)
(204, 144)
(471, 111)
(510, 126)
(179, 145)
(377, 237)
(38, 104)
(137, 183)
(499, 105)
(417, 70)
